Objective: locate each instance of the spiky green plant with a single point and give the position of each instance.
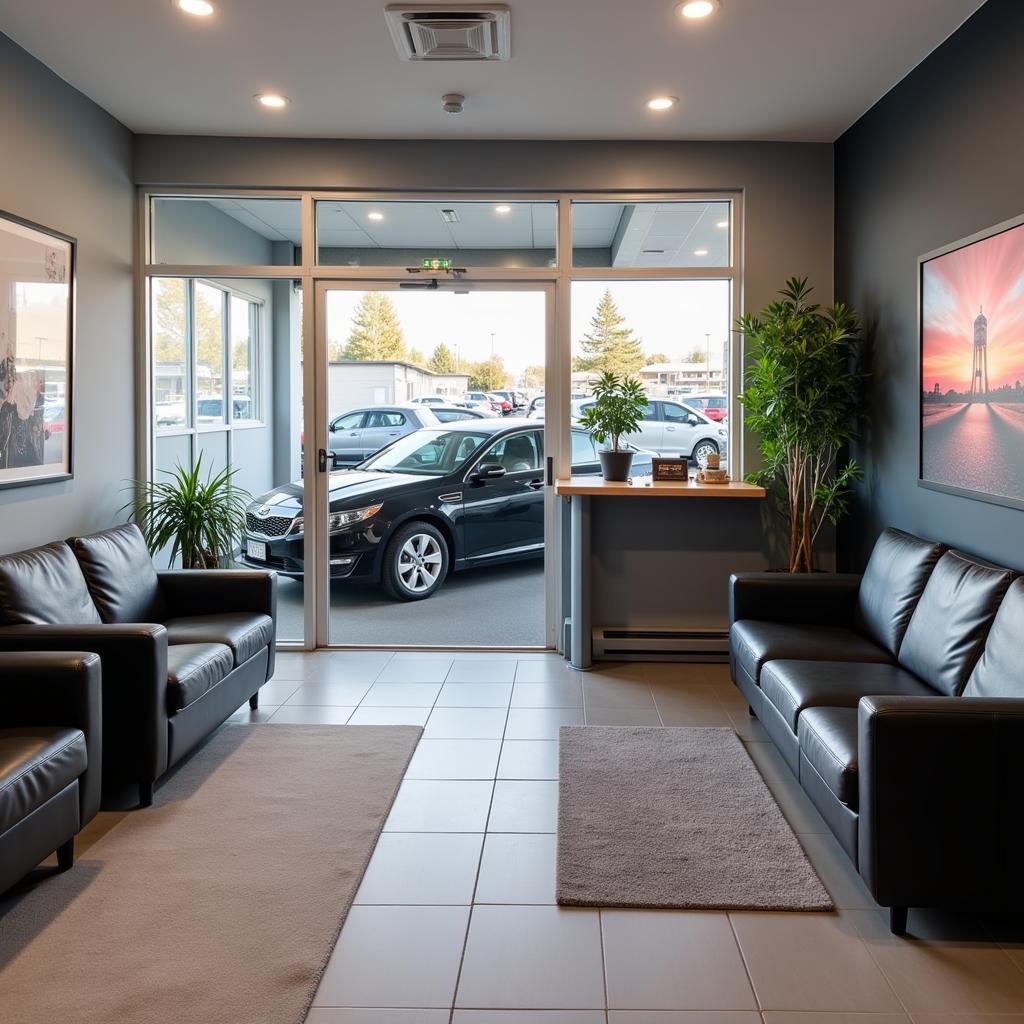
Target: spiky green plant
(618, 409)
(804, 393)
(201, 520)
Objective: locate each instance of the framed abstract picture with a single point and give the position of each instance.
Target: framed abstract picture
(37, 341)
(971, 316)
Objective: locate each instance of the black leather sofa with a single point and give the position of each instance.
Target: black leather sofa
(50, 753)
(180, 650)
(896, 699)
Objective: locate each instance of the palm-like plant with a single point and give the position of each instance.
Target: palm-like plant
(618, 409)
(804, 397)
(201, 520)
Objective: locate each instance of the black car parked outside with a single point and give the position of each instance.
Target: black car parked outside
(434, 501)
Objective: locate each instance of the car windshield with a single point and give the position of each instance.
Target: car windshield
(427, 452)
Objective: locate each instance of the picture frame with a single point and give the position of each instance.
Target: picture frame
(665, 470)
(970, 307)
(37, 349)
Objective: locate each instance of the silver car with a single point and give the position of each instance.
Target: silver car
(672, 429)
(359, 433)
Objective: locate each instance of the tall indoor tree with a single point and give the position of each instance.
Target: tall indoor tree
(804, 395)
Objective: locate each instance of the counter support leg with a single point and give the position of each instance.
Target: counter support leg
(581, 640)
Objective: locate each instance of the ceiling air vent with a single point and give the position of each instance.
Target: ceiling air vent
(450, 31)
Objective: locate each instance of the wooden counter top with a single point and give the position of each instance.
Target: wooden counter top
(582, 485)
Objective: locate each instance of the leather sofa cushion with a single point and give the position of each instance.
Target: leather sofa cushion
(119, 572)
(755, 642)
(828, 740)
(246, 633)
(1000, 669)
(893, 582)
(192, 670)
(951, 621)
(36, 763)
(44, 587)
(793, 686)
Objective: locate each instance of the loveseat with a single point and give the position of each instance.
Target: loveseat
(897, 699)
(180, 650)
(50, 752)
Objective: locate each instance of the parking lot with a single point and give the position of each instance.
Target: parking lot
(502, 606)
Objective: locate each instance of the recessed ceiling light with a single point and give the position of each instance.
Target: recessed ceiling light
(661, 102)
(375, 215)
(272, 100)
(700, 252)
(503, 208)
(722, 224)
(694, 9)
(197, 8)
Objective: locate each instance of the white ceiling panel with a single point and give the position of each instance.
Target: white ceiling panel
(580, 69)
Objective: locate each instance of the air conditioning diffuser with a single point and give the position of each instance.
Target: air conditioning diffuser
(423, 32)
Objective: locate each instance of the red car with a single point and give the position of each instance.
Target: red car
(715, 407)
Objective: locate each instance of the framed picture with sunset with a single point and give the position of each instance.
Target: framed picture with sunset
(971, 315)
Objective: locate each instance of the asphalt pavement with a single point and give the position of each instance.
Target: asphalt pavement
(500, 606)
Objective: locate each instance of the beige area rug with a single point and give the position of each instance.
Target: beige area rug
(221, 903)
(673, 818)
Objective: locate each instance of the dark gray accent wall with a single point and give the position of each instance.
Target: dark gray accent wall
(68, 165)
(939, 158)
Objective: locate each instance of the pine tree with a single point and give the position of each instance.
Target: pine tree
(376, 330)
(443, 360)
(416, 357)
(609, 346)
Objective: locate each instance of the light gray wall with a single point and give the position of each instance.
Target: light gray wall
(193, 231)
(939, 158)
(67, 164)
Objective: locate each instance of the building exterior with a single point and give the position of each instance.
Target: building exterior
(352, 383)
(681, 378)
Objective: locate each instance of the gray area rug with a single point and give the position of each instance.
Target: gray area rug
(221, 903)
(673, 818)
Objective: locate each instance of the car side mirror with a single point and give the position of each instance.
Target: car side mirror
(489, 471)
(692, 420)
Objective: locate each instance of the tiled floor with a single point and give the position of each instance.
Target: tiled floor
(455, 920)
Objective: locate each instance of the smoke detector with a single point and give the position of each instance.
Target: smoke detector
(453, 103)
(426, 32)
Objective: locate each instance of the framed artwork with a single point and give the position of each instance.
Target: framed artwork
(971, 317)
(37, 340)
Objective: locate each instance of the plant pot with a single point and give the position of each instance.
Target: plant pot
(615, 465)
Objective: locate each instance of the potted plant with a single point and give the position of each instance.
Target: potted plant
(200, 520)
(804, 398)
(618, 409)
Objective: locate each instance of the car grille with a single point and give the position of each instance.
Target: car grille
(271, 526)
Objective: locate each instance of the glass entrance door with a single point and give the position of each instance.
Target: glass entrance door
(433, 478)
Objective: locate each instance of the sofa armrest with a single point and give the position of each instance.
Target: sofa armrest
(208, 591)
(62, 689)
(820, 599)
(133, 659)
(940, 781)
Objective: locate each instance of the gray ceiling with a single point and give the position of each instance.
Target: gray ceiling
(758, 69)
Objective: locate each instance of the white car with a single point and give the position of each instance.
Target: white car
(430, 400)
(480, 400)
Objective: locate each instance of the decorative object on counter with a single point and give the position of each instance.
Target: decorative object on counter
(37, 303)
(618, 409)
(712, 476)
(201, 521)
(675, 470)
(714, 460)
(804, 396)
(972, 407)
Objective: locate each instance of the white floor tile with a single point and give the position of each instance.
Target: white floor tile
(547, 695)
(532, 957)
(475, 695)
(372, 1015)
(540, 723)
(466, 723)
(528, 1017)
(549, 670)
(401, 695)
(415, 670)
(395, 957)
(482, 671)
(319, 692)
(389, 716)
(454, 759)
(517, 868)
(524, 807)
(422, 868)
(440, 806)
(528, 759)
(299, 715)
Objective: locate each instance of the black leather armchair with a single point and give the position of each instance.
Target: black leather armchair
(180, 651)
(50, 756)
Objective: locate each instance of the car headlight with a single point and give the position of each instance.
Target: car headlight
(339, 520)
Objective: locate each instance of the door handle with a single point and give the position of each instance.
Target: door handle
(321, 460)
(393, 433)
(535, 485)
(670, 428)
(355, 433)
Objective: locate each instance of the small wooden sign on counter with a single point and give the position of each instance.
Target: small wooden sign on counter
(673, 470)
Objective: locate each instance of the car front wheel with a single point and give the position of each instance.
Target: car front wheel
(701, 451)
(416, 562)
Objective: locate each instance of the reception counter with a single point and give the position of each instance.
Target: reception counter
(653, 559)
